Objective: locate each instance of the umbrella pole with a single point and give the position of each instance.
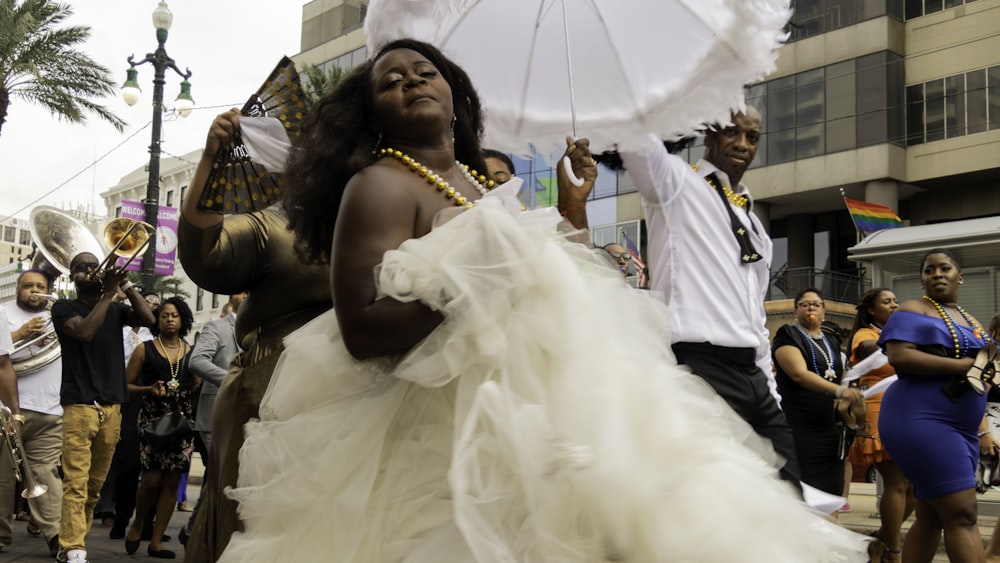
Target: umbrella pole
(569, 68)
(572, 97)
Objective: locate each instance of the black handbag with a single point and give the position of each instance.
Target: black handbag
(167, 429)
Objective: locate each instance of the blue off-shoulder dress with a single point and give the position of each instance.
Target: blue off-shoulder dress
(931, 437)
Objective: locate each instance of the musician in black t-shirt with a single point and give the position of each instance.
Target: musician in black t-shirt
(93, 388)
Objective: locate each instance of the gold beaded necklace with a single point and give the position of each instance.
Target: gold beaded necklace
(175, 364)
(733, 197)
(433, 178)
(977, 330)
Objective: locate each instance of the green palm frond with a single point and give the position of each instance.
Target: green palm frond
(41, 64)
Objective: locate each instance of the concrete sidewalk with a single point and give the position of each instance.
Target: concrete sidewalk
(863, 517)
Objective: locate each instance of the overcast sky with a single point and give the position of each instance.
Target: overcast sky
(229, 45)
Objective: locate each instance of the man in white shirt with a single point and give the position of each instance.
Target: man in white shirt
(710, 257)
(38, 403)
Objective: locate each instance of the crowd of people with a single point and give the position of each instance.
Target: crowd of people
(416, 369)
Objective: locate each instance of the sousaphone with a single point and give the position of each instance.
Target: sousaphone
(59, 237)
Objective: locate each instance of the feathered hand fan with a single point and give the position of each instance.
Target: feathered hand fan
(237, 183)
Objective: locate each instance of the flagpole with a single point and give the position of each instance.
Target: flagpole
(857, 231)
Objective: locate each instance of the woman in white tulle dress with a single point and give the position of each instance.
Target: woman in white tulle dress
(486, 390)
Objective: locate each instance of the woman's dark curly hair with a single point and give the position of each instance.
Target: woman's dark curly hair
(339, 137)
(864, 317)
(187, 317)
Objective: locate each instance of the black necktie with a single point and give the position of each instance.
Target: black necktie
(748, 254)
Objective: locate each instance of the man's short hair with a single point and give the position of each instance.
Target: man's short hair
(49, 278)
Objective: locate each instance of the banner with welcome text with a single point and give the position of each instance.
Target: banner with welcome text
(166, 236)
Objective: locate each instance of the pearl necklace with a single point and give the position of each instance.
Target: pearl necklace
(977, 330)
(433, 178)
(175, 364)
(827, 353)
(733, 197)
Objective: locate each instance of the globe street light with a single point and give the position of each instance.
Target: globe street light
(162, 18)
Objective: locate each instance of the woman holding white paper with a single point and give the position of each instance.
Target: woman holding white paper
(897, 500)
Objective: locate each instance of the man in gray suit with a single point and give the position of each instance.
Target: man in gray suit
(213, 351)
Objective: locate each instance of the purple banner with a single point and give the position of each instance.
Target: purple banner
(166, 236)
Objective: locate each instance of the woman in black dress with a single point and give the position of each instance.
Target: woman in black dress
(810, 370)
(158, 372)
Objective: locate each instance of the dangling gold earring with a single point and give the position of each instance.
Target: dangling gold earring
(377, 143)
(453, 120)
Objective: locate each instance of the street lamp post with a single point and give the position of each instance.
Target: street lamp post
(162, 18)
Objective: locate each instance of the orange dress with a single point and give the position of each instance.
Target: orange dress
(867, 446)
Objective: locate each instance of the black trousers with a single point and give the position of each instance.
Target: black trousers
(734, 375)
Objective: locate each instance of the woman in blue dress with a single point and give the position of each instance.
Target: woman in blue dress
(930, 417)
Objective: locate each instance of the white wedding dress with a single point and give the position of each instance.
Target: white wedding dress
(544, 421)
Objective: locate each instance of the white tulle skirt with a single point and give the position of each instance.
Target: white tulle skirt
(544, 421)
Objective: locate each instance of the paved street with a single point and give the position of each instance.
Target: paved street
(101, 549)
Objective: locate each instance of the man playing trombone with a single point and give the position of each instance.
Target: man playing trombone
(38, 366)
(93, 389)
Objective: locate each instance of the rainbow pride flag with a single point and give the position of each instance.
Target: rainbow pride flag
(871, 217)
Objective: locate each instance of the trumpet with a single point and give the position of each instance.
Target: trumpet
(17, 460)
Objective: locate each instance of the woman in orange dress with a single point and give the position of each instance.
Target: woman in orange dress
(897, 499)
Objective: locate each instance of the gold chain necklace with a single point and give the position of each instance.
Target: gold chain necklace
(175, 364)
(733, 197)
(433, 178)
(977, 330)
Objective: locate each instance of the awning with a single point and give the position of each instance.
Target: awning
(976, 242)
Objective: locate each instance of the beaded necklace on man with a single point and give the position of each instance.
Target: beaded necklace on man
(175, 364)
(434, 179)
(977, 330)
(828, 355)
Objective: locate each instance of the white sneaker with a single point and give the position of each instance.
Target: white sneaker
(76, 556)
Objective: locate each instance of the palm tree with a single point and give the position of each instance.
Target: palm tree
(40, 63)
(171, 287)
(319, 83)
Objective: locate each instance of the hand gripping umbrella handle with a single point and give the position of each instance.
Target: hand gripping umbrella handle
(568, 168)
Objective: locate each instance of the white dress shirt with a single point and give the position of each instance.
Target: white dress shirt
(694, 259)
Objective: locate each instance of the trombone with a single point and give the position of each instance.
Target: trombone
(127, 238)
(17, 460)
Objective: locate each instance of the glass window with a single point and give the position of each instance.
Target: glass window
(871, 89)
(839, 13)
(215, 300)
(809, 97)
(932, 6)
(840, 134)
(914, 9)
(895, 99)
(807, 19)
(952, 3)
(809, 141)
(993, 96)
(915, 114)
(118, 211)
(840, 87)
(975, 100)
(8, 234)
(25, 237)
(781, 119)
(184, 190)
(170, 197)
(954, 104)
(934, 110)
(199, 301)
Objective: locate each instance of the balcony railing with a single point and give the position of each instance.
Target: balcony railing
(835, 286)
